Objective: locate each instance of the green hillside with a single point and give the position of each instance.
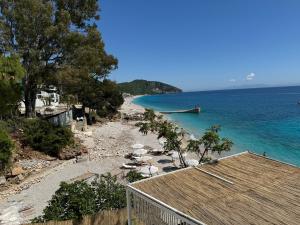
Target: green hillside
(141, 87)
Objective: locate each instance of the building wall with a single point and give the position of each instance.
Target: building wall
(62, 119)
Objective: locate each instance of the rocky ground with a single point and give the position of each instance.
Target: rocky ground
(106, 145)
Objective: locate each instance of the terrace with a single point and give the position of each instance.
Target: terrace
(241, 189)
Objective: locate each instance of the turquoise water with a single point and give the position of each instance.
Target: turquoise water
(259, 120)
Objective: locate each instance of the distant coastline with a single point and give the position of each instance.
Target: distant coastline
(262, 120)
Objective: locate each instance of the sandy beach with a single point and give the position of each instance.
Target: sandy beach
(107, 144)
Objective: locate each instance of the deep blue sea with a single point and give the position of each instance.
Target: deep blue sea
(259, 120)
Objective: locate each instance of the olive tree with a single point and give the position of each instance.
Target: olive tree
(210, 141)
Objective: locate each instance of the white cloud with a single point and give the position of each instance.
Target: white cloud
(250, 76)
(232, 80)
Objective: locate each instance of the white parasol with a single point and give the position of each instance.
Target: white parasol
(192, 162)
(139, 152)
(192, 137)
(149, 170)
(175, 155)
(162, 141)
(137, 146)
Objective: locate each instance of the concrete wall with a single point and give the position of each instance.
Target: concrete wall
(62, 119)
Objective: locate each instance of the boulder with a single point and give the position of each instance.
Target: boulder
(20, 177)
(2, 180)
(17, 171)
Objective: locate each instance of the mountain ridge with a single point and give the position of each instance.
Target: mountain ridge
(141, 87)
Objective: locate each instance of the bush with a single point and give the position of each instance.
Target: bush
(133, 176)
(72, 201)
(109, 193)
(6, 147)
(46, 137)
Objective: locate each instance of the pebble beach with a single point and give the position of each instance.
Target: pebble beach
(106, 144)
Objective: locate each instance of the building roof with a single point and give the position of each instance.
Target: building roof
(241, 189)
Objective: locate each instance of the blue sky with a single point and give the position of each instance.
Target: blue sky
(204, 44)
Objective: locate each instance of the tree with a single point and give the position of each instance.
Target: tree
(6, 147)
(53, 37)
(109, 193)
(11, 73)
(164, 129)
(210, 141)
(72, 201)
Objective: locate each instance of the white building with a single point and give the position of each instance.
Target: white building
(47, 96)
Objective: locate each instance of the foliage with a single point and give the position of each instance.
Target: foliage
(109, 193)
(72, 201)
(6, 147)
(133, 176)
(210, 141)
(46, 137)
(11, 73)
(54, 39)
(141, 87)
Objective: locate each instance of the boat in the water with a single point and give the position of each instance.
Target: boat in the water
(194, 110)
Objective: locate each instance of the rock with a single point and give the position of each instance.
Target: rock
(2, 180)
(20, 177)
(17, 171)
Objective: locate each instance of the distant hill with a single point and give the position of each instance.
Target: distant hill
(142, 87)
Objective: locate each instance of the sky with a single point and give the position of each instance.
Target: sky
(204, 44)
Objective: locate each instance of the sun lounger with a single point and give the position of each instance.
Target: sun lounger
(146, 175)
(126, 166)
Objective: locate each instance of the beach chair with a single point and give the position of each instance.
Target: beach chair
(127, 166)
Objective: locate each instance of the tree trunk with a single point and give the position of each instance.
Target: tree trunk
(30, 97)
(181, 159)
(202, 155)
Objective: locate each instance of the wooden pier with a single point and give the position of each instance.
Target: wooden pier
(194, 110)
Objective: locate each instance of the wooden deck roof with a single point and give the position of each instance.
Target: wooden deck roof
(242, 189)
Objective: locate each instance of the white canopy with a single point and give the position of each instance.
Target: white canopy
(191, 162)
(137, 146)
(139, 152)
(162, 141)
(149, 170)
(175, 155)
(192, 137)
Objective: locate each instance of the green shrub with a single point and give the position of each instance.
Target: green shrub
(44, 136)
(109, 193)
(133, 176)
(6, 147)
(72, 201)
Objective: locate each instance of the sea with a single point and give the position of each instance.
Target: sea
(261, 120)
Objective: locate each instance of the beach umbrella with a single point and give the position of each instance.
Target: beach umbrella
(144, 158)
(139, 152)
(137, 146)
(162, 141)
(192, 137)
(192, 162)
(149, 170)
(175, 155)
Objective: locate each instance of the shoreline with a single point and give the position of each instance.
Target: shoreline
(107, 144)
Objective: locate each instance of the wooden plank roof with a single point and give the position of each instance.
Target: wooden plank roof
(241, 189)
